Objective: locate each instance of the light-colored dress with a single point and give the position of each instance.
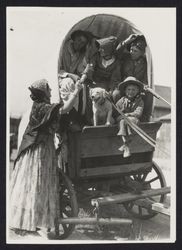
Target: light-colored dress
(34, 181)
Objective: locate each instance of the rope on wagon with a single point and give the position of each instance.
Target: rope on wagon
(148, 89)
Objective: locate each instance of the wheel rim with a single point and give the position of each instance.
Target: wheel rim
(149, 180)
(68, 206)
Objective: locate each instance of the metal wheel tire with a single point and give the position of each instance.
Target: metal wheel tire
(153, 179)
(68, 206)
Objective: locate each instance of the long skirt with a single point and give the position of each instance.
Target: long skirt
(34, 188)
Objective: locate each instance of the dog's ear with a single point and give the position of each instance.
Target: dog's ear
(105, 94)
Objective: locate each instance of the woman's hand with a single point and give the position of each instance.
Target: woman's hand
(78, 86)
(71, 100)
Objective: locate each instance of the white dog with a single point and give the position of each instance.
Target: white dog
(101, 106)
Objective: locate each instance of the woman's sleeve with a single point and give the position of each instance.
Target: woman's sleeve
(47, 113)
(42, 110)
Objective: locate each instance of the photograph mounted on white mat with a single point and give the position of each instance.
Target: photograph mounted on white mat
(91, 125)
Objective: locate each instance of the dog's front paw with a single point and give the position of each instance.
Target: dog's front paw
(108, 124)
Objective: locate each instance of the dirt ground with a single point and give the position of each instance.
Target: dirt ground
(155, 229)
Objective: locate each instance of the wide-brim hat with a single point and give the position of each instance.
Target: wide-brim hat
(130, 80)
(139, 42)
(87, 34)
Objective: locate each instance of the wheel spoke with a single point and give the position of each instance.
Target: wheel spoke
(64, 206)
(152, 180)
(130, 205)
(67, 204)
(62, 191)
(64, 203)
(144, 176)
(155, 198)
(66, 213)
(65, 227)
(155, 179)
(65, 199)
(135, 177)
(139, 177)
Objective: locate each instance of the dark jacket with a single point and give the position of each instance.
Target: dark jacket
(109, 77)
(41, 118)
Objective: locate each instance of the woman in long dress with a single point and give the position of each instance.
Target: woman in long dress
(34, 181)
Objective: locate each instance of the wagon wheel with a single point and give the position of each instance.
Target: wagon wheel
(68, 206)
(149, 180)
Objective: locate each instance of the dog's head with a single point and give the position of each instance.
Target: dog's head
(98, 94)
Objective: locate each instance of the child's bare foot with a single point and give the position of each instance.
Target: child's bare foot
(120, 132)
(122, 148)
(127, 152)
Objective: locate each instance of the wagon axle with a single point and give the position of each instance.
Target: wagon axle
(94, 220)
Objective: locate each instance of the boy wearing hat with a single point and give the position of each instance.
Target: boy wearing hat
(131, 104)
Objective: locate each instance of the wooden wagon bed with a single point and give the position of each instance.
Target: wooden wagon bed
(93, 152)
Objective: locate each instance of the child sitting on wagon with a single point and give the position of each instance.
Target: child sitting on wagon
(131, 104)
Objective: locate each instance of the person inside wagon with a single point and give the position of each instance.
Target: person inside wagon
(132, 53)
(131, 105)
(76, 54)
(106, 66)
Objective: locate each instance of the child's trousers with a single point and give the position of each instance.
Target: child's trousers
(125, 129)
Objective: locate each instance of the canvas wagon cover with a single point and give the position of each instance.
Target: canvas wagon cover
(104, 25)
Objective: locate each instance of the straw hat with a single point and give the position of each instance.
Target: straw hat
(130, 80)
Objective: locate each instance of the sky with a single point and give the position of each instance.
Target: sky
(34, 36)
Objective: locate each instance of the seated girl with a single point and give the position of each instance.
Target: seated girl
(132, 105)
